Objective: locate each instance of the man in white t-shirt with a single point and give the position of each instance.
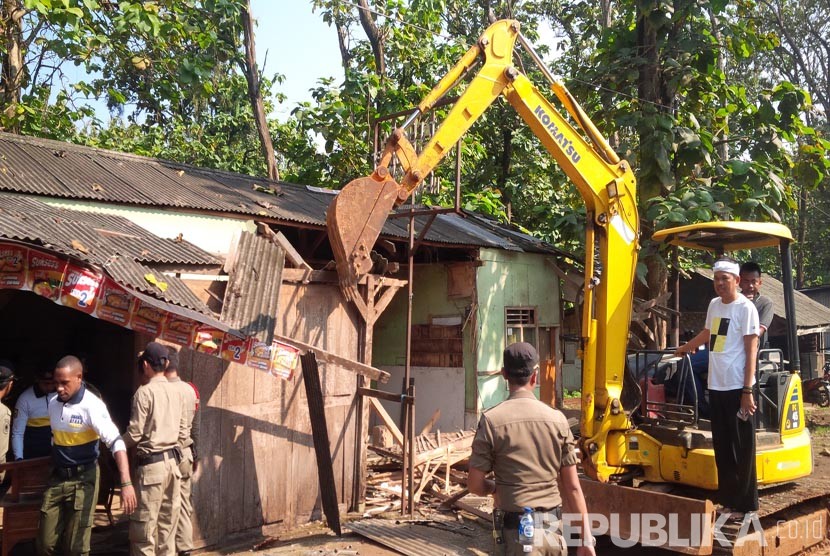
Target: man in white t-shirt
(731, 332)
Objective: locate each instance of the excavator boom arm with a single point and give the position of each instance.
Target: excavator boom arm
(606, 183)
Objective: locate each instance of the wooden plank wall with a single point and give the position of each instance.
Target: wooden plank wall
(256, 454)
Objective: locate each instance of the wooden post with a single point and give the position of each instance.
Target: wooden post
(362, 415)
(320, 434)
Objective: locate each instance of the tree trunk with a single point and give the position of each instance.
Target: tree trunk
(722, 148)
(373, 34)
(605, 11)
(652, 92)
(255, 93)
(802, 233)
(12, 72)
(504, 171)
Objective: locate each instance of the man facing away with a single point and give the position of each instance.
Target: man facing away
(731, 331)
(31, 433)
(188, 440)
(78, 419)
(528, 446)
(155, 422)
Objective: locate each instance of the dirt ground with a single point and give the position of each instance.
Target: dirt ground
(316, 540)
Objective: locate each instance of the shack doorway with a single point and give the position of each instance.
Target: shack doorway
(36, 332)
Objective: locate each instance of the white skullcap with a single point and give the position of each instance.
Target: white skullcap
(727, 266)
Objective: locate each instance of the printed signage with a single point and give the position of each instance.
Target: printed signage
(259, 355)
(207, 339)
(146, 318)
(234, 349)
(13, 259)
(177, 329)
(80, 289)
(45, 274)
(284, 360)
(114, 303)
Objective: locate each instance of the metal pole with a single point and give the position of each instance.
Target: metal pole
(458, 176)
(411, 466)
(405, 412)
(789, 307)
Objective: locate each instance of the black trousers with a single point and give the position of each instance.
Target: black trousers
(734, 443)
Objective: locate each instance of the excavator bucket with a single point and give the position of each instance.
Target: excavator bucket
(354, 221)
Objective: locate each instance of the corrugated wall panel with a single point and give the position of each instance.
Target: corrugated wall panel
(253, 289)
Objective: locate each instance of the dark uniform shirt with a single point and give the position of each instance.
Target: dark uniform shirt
(525, 443)
(765, 313)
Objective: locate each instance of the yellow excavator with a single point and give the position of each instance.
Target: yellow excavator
(615, 447)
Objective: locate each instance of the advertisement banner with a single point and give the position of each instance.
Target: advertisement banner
(259, 355)
(178, 330)
(80, 288)
(285, 359)
(146, 318)
(45, 274)
(13, 260)
(235, 349)
(207, 339)
(114, 304)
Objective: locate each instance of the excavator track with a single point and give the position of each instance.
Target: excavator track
(794, 517)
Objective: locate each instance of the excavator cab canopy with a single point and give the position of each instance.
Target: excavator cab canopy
(722, 237)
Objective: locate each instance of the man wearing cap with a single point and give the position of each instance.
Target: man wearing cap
(188, 438)
(6, 382)
(31, 433)
(155, 424)
(528, 445)
(78, 419)
(731, 331)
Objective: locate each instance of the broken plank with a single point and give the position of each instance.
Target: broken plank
(342, 362)
(487, 516)
(387, 420)
(432, 420)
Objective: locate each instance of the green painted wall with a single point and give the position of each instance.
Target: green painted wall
(430, 299)
(508, 279)
(503, 279)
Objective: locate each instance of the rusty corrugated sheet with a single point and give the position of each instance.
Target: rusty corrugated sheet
(132, 274)
(51, 168)
(406, 538)
(27, 219)
(254, 286)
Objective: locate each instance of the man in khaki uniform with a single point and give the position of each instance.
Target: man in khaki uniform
(6, 383)
(527, 445)
(188, 438)
(155, 422)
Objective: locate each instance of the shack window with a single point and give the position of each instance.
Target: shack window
(521, 325)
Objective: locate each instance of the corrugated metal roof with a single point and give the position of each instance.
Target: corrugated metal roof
(102, 235)
(810, 314)
(132, 274)
(409, 538)
(51, 168)
(254, 286)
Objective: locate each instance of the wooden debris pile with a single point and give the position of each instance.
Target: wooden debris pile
(440, 478)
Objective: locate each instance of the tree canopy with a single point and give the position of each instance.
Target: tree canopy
(721, 107)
